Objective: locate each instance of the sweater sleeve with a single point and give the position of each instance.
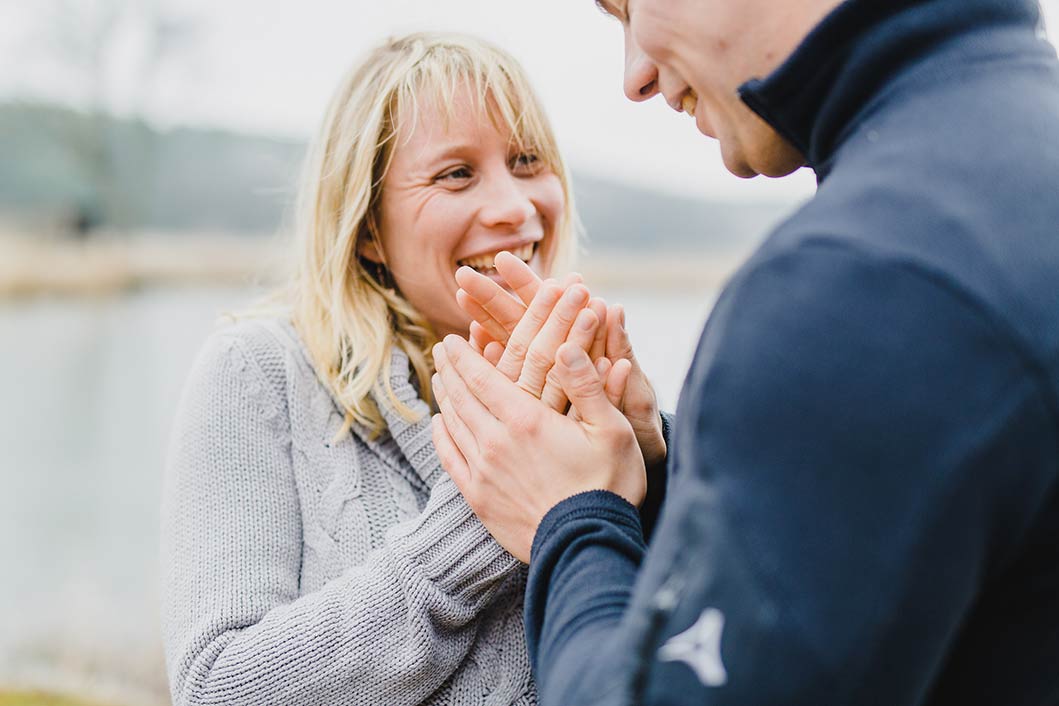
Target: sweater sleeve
(236, 630)
(862, 448)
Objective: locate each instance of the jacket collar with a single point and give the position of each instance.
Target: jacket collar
(817, 94)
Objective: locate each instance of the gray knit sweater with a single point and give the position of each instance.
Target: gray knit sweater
(301, 571)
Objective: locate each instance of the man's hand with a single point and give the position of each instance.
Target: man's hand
(513, 457)
(501, 330)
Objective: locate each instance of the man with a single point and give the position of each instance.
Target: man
(862, 504)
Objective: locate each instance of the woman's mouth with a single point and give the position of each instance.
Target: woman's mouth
(485, 263)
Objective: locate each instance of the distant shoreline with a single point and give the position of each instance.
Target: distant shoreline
(33, 266)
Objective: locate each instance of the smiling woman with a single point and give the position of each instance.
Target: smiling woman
(314, 550)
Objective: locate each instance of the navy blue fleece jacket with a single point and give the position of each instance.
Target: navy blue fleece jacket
(863, 482)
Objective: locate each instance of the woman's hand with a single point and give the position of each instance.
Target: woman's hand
(505, 334)
(514, 458)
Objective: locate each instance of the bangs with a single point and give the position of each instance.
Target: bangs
(499, 90)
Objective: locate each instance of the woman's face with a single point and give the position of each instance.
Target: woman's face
(456, 194)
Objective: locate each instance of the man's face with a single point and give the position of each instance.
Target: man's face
(696, 54)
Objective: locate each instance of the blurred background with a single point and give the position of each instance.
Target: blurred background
(149, 151)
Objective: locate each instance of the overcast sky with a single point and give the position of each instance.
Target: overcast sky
(269, 66)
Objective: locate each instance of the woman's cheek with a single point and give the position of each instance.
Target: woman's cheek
(550, 201)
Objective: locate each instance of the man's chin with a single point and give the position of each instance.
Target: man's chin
(738, 165)
(774, 164)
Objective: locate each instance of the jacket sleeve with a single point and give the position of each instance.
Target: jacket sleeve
(390, 631)
(862, 445)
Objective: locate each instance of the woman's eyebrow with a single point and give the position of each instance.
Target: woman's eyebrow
(434, 154)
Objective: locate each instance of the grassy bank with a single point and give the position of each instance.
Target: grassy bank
(40, 698)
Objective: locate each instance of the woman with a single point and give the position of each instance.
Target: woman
(313, 549)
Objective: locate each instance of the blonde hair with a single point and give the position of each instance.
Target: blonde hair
(345, 309)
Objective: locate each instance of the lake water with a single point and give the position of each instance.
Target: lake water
(88, 390)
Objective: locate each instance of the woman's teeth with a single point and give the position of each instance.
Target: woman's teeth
(688, 102)
(485, 262)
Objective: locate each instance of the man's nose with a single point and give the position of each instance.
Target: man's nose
(507, 203)
(641, 74)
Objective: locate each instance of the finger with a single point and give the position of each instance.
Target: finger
(449, 454)
(459, 433)
(500, 304)
(571, 279)
(471, 380)
(599, 343)
(617, 381)
(516, 346)
(465, 414)
(480, 338)
(493, 352)
(603, 366)
(523, 281)
(540, 356)
(582, 334)
(582, 384)
(618, 343)
(482, 316)
(438, 388)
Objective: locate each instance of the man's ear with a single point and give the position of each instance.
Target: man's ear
(369, 250)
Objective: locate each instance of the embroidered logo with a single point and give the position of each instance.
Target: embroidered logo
(699, 647)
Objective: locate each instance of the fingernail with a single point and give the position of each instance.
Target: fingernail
(586, 320)
(575, 294)
(572, 357)
(439, 353)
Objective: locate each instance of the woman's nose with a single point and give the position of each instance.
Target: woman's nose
(641, 74)
(507, 203)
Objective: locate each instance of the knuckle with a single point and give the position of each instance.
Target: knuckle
(490, 452)
(517, 347)
(538, 359)
(525, 425)
(584, 386)
(453, 398)
(477, 380)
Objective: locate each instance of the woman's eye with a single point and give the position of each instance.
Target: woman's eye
(526, 162)
(456, 174)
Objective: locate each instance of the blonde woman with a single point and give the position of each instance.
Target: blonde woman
(314, 551)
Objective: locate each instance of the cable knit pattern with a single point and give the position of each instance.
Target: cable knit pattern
(300, 570)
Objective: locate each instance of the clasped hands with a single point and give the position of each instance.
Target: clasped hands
(545, 401)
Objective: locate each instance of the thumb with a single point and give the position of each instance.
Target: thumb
(617, 380)
(581, 383)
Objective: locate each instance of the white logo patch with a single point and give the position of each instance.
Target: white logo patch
(699, 647)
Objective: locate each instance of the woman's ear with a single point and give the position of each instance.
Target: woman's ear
(369, 250)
